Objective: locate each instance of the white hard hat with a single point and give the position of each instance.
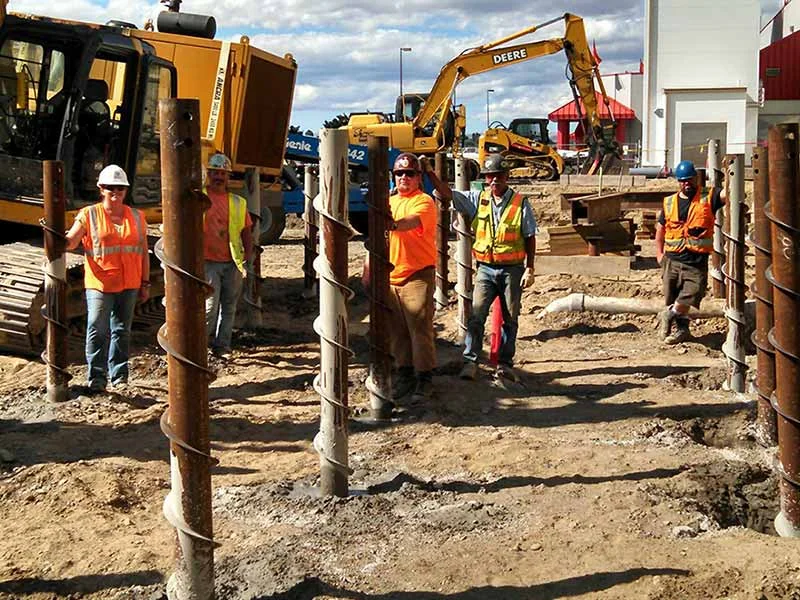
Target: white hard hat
(112, 175)
(220, 162)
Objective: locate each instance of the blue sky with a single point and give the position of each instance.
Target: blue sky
(348, 50)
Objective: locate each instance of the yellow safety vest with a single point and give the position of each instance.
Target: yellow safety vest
(700, 219)
(237, 214)
(505, 245)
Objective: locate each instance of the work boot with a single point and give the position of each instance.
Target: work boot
(665, 323)
(681, 333)
(469, 370)
(404, 383)
(424, 388)
(507, 373)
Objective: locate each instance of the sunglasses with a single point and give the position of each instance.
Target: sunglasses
(406, 173)
(115, 188)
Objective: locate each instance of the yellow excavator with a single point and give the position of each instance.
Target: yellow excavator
(429, 124)
(88, 94)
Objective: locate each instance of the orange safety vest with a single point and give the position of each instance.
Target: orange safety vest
(700, 218)
(505, 245)
(113, 259)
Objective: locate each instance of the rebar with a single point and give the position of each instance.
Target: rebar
(718, 255)
(784, 275)
(54, 310)
(379, 382)
(331, 384)
(463, 255)
(733, 270)
(186, 421)
(766, 420)
(442, 238)
(311, 220)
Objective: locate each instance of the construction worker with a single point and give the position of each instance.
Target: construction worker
(684, 241)
(412, 251)
(228, 246)
(504, 249)
(116, 274)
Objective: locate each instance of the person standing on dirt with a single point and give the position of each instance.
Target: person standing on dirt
(228, 247)
(412, 251)
(684, 241)
(504, 250)
(116, 273)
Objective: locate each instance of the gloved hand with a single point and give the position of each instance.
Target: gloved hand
(528, 277)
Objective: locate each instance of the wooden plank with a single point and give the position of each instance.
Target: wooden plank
(595, 266)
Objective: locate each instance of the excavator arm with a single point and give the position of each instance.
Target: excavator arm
(425, 133)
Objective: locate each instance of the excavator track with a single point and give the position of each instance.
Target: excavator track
(23, 329)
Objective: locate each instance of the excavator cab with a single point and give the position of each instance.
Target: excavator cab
(85, 95)
(408, 106)
(532, 128)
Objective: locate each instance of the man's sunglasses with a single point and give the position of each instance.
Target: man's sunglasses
(115, 188)
(406, 173)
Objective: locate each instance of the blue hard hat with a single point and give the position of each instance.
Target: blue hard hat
(685, 170)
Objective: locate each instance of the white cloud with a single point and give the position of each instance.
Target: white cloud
(348, 50)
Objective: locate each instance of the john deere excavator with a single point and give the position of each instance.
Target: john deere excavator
(434, 126)
(87, 95)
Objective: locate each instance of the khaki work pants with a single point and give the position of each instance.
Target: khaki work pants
(412, 323)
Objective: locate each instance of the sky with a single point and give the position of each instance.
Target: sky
(348, 51)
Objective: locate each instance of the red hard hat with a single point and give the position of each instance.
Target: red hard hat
(405, 162)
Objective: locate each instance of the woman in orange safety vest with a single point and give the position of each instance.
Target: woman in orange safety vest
(116, 274)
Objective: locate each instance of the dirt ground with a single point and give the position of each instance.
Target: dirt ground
(619, 468)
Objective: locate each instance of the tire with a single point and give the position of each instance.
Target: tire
(360, 221)
(273, 222)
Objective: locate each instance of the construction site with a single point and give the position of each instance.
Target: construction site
(616, 465)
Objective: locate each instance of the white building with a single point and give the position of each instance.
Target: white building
(701, 78)
(785, 22)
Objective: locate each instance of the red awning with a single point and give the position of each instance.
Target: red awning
(568, 112)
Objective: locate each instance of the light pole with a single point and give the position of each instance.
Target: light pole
(402, 98)
(487, 107)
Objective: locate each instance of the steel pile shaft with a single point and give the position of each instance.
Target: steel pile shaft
(186, 423)
(442, 238)
(718, 255)
(465, 271)
(331, 204)
(784, 275)
(766, 420)
(733, 348)
(379, 382)
(252, 289)
(55, 285)
(311, 220)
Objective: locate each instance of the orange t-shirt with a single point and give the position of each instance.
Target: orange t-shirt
(413, 250)
(217, 241)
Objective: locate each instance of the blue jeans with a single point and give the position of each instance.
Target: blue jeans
(491, 282)
(226, 280)
(108, 313)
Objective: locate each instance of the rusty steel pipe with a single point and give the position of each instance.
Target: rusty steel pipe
(465, 271)
(186, 421)
(733, 270)
(766, 420)
(311, 220)
(379, 382)
(55, 283)
(718, 255)
(784, 275)
(331, 204)
(442, 238)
